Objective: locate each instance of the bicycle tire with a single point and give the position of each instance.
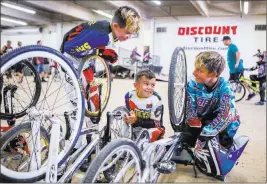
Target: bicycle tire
(177, 120)
(11, 134)
(118, 130)
(31, 51)
(242, 88)
(80, 68)
(113, 146)
(7, 116)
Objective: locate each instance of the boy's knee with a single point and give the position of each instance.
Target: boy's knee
(156, 133)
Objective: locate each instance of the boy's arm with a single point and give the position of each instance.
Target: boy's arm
(225, 115)
(237, 54)
(191, 107)
(126, 99)
(252, 68)
(157, 114)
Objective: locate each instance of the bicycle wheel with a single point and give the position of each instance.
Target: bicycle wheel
(121, 158)
(101, 74)
(177, 89)
(15, 147)
(118, 127)
(18, 94)
(63, 99)
(238, 89)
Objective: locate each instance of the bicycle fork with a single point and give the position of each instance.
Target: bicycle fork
(35, 163)
(12, 89)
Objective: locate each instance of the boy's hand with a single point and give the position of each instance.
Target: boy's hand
(108, 55)
(131, 119)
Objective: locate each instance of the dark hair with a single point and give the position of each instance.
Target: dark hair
(145, 72)
(212, 60)
(226, 38)
(38, 41)
(127, 17)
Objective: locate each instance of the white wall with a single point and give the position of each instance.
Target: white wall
(246, 39)
(48, 37)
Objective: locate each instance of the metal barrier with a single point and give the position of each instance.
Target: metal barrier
(125, 60)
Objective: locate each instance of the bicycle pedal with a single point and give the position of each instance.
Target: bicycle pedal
(166, 167)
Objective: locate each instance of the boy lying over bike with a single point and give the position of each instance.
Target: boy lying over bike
(211, 111)
(261, 77)
(91, 38)
(145, 106)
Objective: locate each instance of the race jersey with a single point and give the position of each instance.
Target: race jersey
(148, 110)
(134, 54)
(83, 40)
(216, 106)
(261, 66)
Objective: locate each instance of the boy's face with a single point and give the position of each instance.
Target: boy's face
(145, 87)
(202, 74)
(121, 33)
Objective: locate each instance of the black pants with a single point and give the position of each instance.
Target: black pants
(261, 87)
(224, 139)
(18, 67)
(236, 76)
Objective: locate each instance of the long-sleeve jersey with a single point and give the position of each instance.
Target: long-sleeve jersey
(149, 111)
(216, 106)
(83, 39)
(134, 53)
(261, 66)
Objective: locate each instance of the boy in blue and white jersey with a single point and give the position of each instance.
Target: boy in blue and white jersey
(210, 101)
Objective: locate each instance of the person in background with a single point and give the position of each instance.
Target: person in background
(146, 57)
(7, 48)
(19, 66)
(261, 77)
(38, 62)
(233, 59)
(134, 55)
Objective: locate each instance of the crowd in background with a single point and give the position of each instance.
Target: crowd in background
(38, 62)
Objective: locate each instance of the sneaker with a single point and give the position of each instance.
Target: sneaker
(250, 96)
(259, 103)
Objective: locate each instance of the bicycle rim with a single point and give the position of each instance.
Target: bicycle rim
(177, 88)
(101, 76)
(239, 90)
(26, 94)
